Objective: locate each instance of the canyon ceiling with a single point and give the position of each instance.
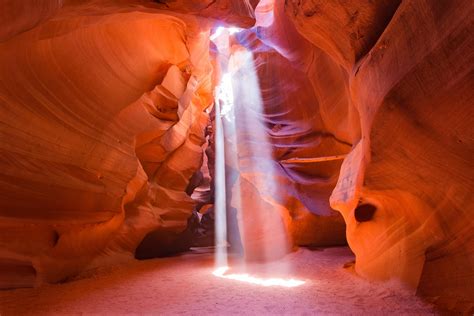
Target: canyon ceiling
(106, 123)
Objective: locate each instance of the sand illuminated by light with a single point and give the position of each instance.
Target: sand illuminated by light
(245, 277)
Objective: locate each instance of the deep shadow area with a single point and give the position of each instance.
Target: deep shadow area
(364, 212)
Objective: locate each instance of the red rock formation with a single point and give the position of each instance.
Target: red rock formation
(237, 13)
(98, 114)
(21, 16)
(405, 188)
(297, 131)
(294, 123)
(103, 131)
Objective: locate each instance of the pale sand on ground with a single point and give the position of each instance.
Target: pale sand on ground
(185, 285)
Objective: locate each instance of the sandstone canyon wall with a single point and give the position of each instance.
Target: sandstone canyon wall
(405, 189)
(367, 106)
(102, 127)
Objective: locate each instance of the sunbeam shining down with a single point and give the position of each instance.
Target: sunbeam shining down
(246, 177)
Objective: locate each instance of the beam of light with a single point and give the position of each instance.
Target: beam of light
(245, 277)
(220, 189)
(242, 135)
(262, 218)
(224, 99)
(226, 95)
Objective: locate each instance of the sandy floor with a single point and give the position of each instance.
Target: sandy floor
(185, 285)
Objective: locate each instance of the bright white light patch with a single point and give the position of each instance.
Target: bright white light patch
(220, 29)
(244, 277)
(225, 93)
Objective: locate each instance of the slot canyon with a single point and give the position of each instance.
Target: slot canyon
(256, 157)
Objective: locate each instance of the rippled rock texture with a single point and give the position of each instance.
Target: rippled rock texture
(102, 128)
(405, 189)
(105, 114)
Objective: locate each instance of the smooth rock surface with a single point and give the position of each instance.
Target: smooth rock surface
(363, 107)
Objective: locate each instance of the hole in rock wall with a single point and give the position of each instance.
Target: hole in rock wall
(364, 212)
(55, 238)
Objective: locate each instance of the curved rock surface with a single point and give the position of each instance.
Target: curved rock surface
(102, 128)
(366, 105)
(405, 189)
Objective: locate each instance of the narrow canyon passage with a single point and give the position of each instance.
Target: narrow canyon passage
(256, 157)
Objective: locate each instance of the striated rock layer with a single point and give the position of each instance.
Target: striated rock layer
(366, 105)
(405, 189)
(102, 127)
